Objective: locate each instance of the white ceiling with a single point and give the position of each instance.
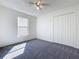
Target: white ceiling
(25, 7)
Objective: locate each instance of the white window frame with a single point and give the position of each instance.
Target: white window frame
(21, 26)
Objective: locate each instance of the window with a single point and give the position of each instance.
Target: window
(22, 27)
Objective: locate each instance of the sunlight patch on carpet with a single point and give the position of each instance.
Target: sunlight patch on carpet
(15, 51)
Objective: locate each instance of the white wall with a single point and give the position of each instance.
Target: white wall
(60, 26)
(8, 26)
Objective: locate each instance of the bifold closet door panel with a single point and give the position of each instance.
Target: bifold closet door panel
(77, 42)
(65, 29)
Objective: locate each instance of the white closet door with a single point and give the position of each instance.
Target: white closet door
(65, 29)
(77, 42)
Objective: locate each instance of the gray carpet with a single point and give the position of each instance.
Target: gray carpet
(39, 49)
